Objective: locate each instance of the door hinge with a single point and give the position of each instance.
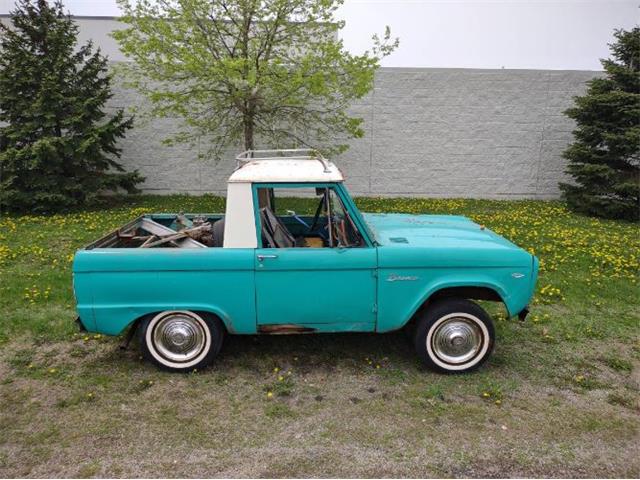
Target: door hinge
(374, 273)
(374, 309)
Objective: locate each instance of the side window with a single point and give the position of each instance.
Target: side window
(309, 217)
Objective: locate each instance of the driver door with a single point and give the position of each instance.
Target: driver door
(326, 289)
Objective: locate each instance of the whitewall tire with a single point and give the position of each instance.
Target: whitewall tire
(181, 340)
(454, 336)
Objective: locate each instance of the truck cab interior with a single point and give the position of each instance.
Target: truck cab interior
(328, 225)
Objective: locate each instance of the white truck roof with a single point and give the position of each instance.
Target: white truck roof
(264, 166)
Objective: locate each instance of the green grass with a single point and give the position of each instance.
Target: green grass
(560, 392)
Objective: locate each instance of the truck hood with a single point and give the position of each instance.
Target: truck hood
(438, 231)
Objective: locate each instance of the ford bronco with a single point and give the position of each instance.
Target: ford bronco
(184, 281)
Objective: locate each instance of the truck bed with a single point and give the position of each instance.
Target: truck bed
(163, 230)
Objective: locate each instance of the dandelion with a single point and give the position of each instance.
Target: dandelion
(269, 394)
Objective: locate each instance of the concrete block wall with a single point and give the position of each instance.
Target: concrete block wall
(428, 132)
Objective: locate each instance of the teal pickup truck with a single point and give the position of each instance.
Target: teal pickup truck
(184, 281)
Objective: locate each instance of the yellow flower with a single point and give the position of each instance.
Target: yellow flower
(269, 394)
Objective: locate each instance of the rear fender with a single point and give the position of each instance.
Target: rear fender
(114, 319)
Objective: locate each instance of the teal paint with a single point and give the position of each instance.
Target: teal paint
(444, 251)
(325, 286)
(377, 287)
(125, 283)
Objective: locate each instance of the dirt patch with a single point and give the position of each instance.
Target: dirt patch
(338, 415)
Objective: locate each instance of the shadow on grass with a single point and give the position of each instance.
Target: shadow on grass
(329, 348)
(304, 353)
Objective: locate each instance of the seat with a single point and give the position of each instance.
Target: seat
(274, 231)
(218, 233)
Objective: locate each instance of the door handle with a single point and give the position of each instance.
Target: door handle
(262, 257)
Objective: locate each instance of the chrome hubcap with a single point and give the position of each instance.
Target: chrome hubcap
(457, 340)
(179, 337)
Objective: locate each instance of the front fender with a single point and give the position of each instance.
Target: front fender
(401, 294)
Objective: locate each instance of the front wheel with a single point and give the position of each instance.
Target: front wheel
(454, 336)
(181, 341)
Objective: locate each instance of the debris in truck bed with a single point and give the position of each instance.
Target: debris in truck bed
(195, 233)
(144, 232)
(181, 222)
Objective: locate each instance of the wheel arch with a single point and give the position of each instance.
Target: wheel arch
(469, 292)
(137, 316)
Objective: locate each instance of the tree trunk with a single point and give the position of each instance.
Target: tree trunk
(248, 132)
(264, 199)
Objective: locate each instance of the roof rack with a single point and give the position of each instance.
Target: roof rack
(279, 154)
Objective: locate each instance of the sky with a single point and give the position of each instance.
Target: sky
(513, 34)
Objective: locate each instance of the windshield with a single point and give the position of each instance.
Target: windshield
(357, 214)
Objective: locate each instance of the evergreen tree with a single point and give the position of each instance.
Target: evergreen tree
(604, 159)
(57, 145)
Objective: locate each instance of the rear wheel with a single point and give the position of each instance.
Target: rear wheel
(454, 336)
(180, 340)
